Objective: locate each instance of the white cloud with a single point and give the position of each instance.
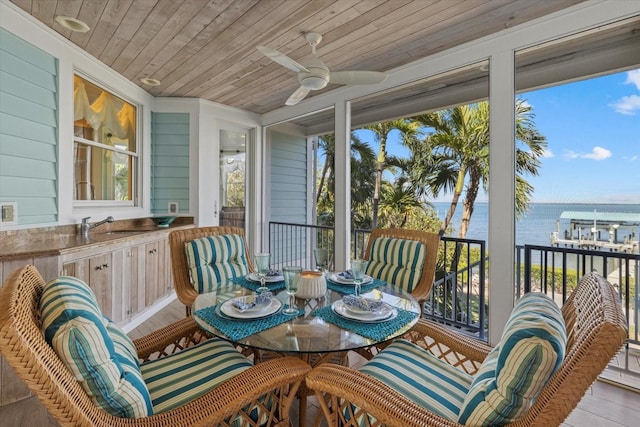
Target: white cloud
(633, 77)
(627, 105)
(598, 153)
(547, 154)
(525, 103)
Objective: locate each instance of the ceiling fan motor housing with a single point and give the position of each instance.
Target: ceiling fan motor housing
(316, 78)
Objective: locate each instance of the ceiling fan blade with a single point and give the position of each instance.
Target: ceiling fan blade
(297, 96)
(357, 77)
(282, 59)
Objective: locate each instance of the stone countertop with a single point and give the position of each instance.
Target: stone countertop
(52, 241)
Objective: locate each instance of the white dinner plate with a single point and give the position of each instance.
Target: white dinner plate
(227, 309)
(269, 279)
(340, 309)
(335, 277)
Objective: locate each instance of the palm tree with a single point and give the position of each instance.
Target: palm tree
(407, 129)
(362, 180)
(459, 146)
(398, 203)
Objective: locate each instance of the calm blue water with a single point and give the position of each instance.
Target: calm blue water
(533, 229)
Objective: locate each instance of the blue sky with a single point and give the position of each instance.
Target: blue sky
(593, 133)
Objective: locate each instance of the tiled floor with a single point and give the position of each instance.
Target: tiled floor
(604, 405)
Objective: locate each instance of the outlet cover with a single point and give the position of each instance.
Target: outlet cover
(8, 213)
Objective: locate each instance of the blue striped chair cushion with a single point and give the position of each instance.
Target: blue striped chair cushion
(513, 374)
(184, 376)
(100, 356)
(420, 377)
(398, 261)
(213, 260)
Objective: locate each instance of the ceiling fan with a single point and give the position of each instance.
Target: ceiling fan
(313, 74)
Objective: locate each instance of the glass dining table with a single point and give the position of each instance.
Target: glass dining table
(308, 332)
(316, 335)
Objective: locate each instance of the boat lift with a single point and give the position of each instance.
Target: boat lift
(613, 231)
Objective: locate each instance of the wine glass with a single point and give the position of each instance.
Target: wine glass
(291, 280)
(358, 268)
(262, 265)
(322, 259)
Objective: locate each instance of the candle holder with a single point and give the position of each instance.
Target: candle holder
(312, 285)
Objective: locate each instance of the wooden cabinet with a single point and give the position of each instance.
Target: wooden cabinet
(127, 277)
(107, 274)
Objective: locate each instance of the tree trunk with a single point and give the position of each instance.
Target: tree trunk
(454, 201)
(325, 168)
(468, 202)
(376, 193)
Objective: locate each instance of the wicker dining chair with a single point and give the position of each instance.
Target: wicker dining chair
(595, 331)
(430, 241)
(270, 386)
(185, 290)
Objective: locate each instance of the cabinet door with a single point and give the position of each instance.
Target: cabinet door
(100, 280)
(152, 267)
(165, 275)
(137, 273)
(96, 272)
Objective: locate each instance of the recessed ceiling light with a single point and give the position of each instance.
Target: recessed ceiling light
(72, 24)
(149, 81)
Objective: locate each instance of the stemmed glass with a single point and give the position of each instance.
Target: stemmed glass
(358, 268)
(262, 265)
(322, 259)
(291, 280)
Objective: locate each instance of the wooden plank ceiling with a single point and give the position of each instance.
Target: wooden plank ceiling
(207, 49)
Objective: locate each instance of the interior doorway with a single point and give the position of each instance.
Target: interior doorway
(233, 177)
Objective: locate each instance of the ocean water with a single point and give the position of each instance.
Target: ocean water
(536, 226)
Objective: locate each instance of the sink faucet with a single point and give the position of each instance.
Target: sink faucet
(85, 226)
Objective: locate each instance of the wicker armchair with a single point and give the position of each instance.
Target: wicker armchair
(596, 329)
(429, 240)
(177, 239)
(23, 346)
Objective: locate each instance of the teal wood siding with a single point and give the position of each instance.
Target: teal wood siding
(28, 130)
(169, 161)
(289, 190)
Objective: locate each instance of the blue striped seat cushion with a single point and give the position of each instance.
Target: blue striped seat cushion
(184, 376)
(420, 377)
(397, 261)
(531, 349)
(100, 356)
(213, 260)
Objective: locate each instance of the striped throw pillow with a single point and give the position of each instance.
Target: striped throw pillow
(100, 356)
(213, 260)
(420, 377)
(397, 261)
(513, 374)
(184, 376)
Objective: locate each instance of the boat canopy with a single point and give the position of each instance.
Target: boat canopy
(586, 217)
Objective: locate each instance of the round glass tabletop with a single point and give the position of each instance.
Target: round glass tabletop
(307, 333)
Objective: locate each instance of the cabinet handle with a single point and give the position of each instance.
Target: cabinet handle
(102, 267)
(153, 251)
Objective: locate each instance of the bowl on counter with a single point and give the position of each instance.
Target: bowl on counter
(163, 221)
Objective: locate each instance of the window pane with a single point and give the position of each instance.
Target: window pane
(101, 174)
(104, 144)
